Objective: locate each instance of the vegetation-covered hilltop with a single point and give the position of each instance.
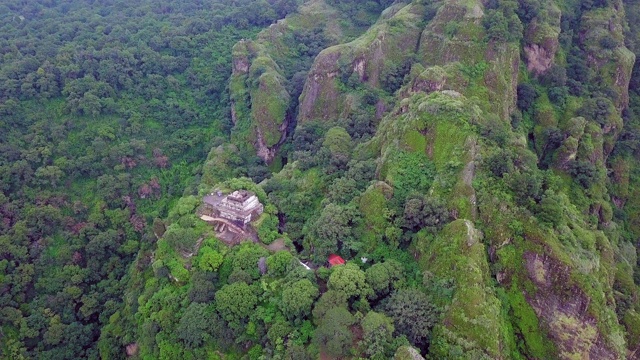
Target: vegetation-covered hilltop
(476, 163)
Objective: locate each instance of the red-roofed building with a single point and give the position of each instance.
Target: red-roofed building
(335, 260)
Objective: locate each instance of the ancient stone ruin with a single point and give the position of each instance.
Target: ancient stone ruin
(240, 207)
(231, 214)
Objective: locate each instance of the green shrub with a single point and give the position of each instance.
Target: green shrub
(608, 42)
(527, 95)
(410, 172)
(499, 163)
(583, 172)
(425, 212)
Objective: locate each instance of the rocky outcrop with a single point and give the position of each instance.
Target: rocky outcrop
(456, 36)
(473, 318)
(564, 309)
(602, 36)
(259, 97)
(541, 39)
(241, 58)
(540, 57)
(501, 78)
(396, 40)
(263, 150)
(261, 106)
(407, 353)
(319, 99)
(435, 78)
(383, 49)
(434, 124)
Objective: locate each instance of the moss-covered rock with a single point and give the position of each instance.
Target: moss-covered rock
(407, 353)
(262, 106)
(383, 49)
(473, 321)
(541, 38)
(437, 78)
(432, 129)
(489, 69)
(566, 153)
(602, 32)
(632, 324)
(258, 96)
(561, 289)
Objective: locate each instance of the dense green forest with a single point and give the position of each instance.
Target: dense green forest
(476, 163)
(108, 112)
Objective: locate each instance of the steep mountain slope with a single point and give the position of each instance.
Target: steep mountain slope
(475, 162)
(267, 72)
(553, 244)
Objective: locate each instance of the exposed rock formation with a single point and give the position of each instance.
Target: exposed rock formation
(541, 39)
(383, 48)
(262, 107)
(259, 96)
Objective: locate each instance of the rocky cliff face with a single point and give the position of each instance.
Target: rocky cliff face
(263, 98)
(383, 49)
(404, 38)
(602, 36)
(541, 41)
(259, 97)
(456, 36)
(540, 287)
